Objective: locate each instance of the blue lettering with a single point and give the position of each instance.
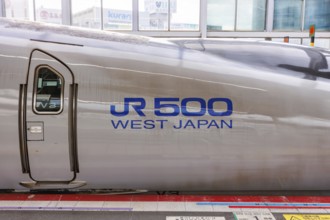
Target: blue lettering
(162, 123)
(169, 107)
(149, 124)
(119, 124)
(136, 124)
(201, 123)
(213, 123)
(127, 101)
(119, 16)
(225, 113)
(184, 110)
(230, 125)
(158, 105)
(152, 124)
(189, 123)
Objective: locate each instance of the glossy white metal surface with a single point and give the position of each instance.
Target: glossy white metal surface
(280, 122)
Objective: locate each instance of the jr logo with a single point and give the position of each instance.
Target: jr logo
(174, 107)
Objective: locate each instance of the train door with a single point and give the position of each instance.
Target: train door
(48, 121)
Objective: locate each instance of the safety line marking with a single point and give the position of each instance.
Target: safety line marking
(166, 198)
(267, 205)
(185, 203)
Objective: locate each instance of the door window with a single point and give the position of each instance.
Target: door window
(48, 93)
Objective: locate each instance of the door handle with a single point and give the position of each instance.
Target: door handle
(35, 130)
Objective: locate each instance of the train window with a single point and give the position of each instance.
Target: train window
(48, 92)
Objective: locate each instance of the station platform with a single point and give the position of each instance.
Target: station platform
(168, 207)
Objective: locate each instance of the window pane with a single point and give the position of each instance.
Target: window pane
(48, 91)
(49, 11)
(185, 15)
(291, 40)
(325, 43)
(153, 14)
(287, 14)
(21, 9)
(317, 12)
(117, 15)
(251, 15)
(220, 15)
(86, 13)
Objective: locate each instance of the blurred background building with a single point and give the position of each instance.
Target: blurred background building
(248, 19)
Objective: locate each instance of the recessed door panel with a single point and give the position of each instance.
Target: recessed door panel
(48, 109)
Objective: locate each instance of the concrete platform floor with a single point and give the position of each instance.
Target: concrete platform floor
(166, 207)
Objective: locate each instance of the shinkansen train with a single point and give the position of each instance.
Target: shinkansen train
(85, 109)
